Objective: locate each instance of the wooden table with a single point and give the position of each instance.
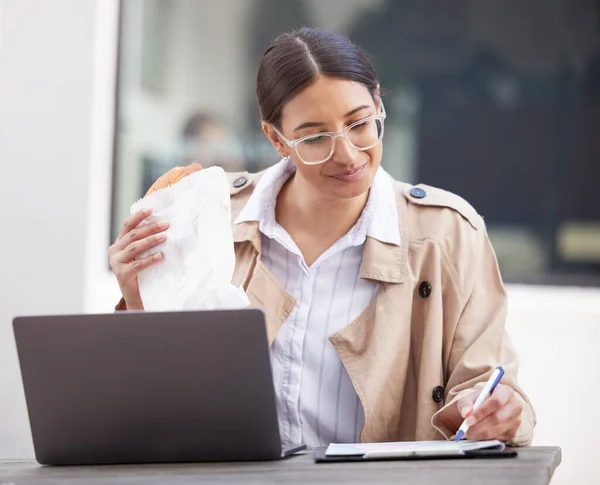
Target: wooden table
(533, 466)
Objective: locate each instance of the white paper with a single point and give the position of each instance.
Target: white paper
(401, 448)
(199, 259)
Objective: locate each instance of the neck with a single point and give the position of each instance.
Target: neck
(300, 208)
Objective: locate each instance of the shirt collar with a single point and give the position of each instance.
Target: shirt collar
(379, 219)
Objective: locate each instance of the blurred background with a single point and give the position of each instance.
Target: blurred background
(496, 100)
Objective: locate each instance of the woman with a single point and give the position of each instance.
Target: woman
(384, 304)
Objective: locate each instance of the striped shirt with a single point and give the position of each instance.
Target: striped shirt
(316, 401)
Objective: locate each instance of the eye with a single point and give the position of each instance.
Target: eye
(361, 125)
(315, 140)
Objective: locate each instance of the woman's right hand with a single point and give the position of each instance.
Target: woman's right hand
(132, 241)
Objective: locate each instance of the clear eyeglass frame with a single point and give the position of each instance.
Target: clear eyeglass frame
(334, 135)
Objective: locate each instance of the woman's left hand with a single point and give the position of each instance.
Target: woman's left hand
(498, 418)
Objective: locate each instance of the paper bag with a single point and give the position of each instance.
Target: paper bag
(199, 259)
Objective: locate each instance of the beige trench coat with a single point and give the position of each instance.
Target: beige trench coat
(436, 328)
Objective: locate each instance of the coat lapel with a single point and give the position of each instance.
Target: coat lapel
(266, 292)
(377, 334)
(374, 335)
(262, 288)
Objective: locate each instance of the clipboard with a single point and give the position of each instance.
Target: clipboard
(413, 450)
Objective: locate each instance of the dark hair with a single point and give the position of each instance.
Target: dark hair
(295, 59)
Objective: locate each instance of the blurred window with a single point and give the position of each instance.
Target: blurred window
(497, 101)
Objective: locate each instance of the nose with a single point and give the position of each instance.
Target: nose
(343, 152)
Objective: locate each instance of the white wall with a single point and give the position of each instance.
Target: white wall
(56, 91)
(46, 66)
(556, 332)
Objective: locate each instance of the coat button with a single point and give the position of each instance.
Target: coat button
(240, 182)
(425, 289)
(438, 394)
(418, 193)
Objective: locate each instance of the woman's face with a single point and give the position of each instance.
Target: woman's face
(329, 105)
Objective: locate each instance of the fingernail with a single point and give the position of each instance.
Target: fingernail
(147, 211)
(157, 256)
(470, 421)
(163, 225)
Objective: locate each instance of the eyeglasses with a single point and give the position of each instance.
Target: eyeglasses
(318, 148)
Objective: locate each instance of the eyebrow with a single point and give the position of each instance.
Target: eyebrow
(312, 124)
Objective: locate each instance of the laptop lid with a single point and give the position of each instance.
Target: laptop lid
(138, 387)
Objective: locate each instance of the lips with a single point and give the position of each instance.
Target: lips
(350, 175)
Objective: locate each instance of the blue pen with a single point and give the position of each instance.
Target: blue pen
(489, 387)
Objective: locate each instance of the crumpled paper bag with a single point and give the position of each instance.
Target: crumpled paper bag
(199, 259)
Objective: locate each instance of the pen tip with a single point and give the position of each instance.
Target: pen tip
(459, 435)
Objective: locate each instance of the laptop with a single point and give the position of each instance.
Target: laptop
(139, 387)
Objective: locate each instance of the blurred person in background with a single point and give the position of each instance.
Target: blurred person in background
(208, 138)
(385, 308)
(204, 136)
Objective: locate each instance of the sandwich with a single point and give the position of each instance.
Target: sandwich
(173, 176)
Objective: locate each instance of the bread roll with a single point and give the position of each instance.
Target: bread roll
(173, 176)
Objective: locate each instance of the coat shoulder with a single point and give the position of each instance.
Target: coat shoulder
(448, 220)
(432, 208)
(241, 187)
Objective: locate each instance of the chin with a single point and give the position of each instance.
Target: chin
(344, 190)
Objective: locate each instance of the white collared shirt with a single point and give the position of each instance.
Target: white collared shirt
(316, 402)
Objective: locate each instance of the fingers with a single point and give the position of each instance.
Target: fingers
(465, 404)
(513, 408)
(138, 233)
(491, 428)
(126, 273)
(135, 249)
(452, 417)
(513, 428)
(500, 424)
(141, 264)
(133, 221)
(133, 241)
(497, 400)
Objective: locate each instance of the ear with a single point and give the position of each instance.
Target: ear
(377, 96)
(273, 137)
